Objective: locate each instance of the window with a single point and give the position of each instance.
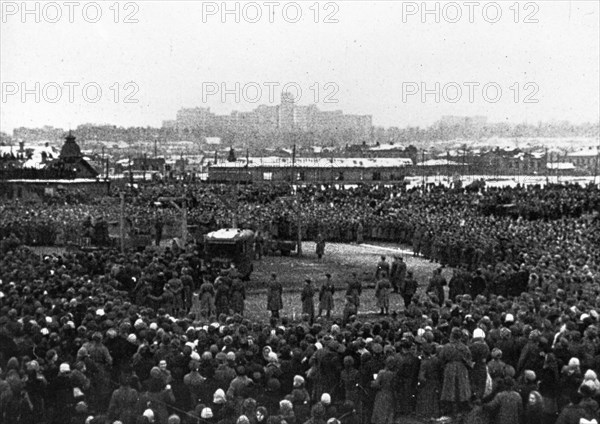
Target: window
(267, 176)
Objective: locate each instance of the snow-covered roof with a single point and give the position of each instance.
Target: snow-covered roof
(387, 146)
(65, 181)
(275, 161)
(36, 157)
(228, 234)
(439, 162)
(591, 152)
(560, 166)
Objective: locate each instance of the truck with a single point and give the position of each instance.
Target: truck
(231, 246)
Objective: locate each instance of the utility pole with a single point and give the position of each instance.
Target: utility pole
(122, 223)
(465, 170)
(130, 173)
(184, 224)
(448, 168)
(547, 182)
(298, 217)
(597, 160)
(423, 168)
(144, 168)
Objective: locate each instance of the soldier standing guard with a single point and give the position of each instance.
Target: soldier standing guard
(238, 296)
(398, 273)
(307, 298)
(382, 292)
(320, 248)
(410, 288)
(436, 285)
(207, 294)
(222, 292)
(382, 266)
(326, 296)
(274, 296)
(354, 290)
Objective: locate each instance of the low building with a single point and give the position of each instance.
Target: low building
(44, 175)
(311, 170)
(586, 158)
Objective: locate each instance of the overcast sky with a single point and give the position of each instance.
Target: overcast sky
(375, 59)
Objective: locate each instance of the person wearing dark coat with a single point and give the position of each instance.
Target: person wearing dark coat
(354, 290)
(382, 266)
(326, 296)
(407, 374)
(307, 299)
(124, 403)
(207, 294)
(581, 407)
(398, 274)
(478, 284)
(62, 400)
(455, 357)
(456, 285)
(382, 293)
(222, 299)
(350, 378)
(479, 354)
(430, 377)
(410, 289)
(274, 296)
(384, 384)
(238, 296)
(320, 246)
(436, 285)
(506, 407)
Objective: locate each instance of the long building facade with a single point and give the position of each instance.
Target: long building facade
(309, 170)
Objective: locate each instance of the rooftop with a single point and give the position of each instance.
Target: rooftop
(283, 162)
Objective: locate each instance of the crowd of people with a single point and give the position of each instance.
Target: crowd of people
(158, 337)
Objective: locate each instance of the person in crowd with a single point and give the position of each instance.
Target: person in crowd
(382, 293)
(274, 296)
(354, 289)
(382, 266)
(326, 297)
(506, 407)
(307, 299)
(383, 409)
(410, 288)
(207, 296)
(436, 286)
(430, 376)
(455, 358)
(320, 246)
(398, 274)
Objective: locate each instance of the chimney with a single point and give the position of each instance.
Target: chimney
(21, 146)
